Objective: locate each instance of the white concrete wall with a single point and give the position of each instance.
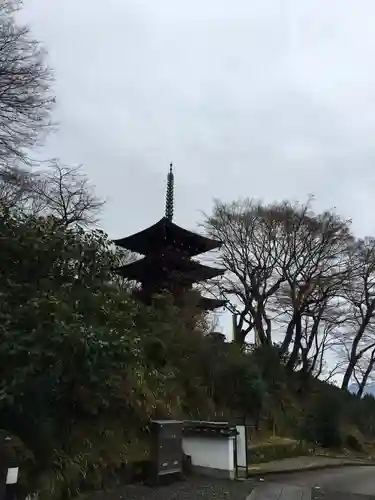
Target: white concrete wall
(241, 446)
(216, 453)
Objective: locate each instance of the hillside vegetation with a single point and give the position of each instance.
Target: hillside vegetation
(84, 367)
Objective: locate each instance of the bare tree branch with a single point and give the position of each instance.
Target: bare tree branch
(254, 245)
(360, 296)
(363, 371)
(284, 264)
(25, 100)
(65, 193)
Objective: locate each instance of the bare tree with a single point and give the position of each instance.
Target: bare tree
(242, 228)
(324, 342)
(317, 272)
(25, 101)
(317, 268)
(285, 264)
(364, 371)
(65, 192)
(315, 339)
(252, 248)
(359, 329)
(61, 191)
(16, 185)
(303, 275)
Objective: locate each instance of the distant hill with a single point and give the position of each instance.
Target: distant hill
(370, 389)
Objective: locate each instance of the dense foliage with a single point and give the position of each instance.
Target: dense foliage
(83, 367)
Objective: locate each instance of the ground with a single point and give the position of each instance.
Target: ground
(343, 483)
(195, 488)
(287, 465)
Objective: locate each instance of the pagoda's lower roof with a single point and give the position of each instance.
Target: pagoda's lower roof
(166, 233)
(203, 303)
(210, 304)
(187, 270)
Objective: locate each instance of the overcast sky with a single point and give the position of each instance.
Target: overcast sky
(267, 99)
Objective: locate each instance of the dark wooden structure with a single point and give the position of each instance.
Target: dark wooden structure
(167, 264)
(166, 448)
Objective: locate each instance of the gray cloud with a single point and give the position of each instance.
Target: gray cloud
(271, 99)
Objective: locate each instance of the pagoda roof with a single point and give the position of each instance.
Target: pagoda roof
(166, 233)
(210, 304)
(190, 270)
(204, 303)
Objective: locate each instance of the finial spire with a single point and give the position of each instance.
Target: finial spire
(169, 196)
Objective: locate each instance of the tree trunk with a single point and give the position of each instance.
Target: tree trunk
(291, 364)
(288, 336)
(258, 325)
(239, 336)
(239, 333)
(349, 372)
(366, 375)
(354, 357)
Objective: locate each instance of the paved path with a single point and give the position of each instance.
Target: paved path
(343, 483)
(304, 463)
(194, 488)
(280, 492)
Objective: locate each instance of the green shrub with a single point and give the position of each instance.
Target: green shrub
(320, 422)
(328, 435)
(353, 443)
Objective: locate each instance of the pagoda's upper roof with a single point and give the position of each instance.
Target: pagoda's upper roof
(166, 233)
(186, 270)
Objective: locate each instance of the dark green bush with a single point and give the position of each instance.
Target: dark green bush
(325, 419)
(353, 443)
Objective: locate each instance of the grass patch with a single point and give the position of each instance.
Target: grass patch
(267, 449)
(277, 448)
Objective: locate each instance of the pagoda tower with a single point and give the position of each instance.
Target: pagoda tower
(167, 263)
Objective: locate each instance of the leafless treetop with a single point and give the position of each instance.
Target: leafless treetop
(25, 99)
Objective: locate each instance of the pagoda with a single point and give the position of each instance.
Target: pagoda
(167, 263)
